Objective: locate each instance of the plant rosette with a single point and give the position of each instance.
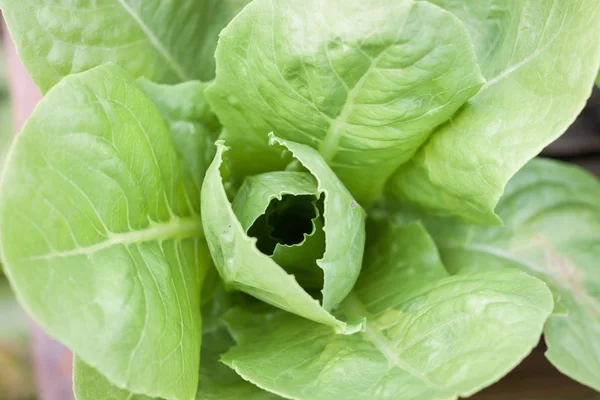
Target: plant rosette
(308, 200)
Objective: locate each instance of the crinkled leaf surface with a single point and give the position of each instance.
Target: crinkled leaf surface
(242, 266)
(551, 213)
(165, 41)
(427, 335)
(364, 82)
(100, 238)
(540, 59)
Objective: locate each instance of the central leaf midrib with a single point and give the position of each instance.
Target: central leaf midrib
(181, 228)
(329, 146)
(155, 41)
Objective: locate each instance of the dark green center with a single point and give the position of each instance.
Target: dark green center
(285, 222)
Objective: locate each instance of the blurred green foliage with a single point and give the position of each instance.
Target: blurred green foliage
(16, 380)
(5, 116)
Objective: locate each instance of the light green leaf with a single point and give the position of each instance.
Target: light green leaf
(364, 82)
(427, 335)
(551, 214)
(344, 225)
(216, 382)
(193, 126)
(540, 59)
(99, 238)
(257, 191)
(166, 42)
(243, 267)
(88, 384)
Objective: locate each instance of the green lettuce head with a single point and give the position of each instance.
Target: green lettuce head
(304, 222)
(309, 254)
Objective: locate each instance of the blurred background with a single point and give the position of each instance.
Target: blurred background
(32, 364)
(16, 379)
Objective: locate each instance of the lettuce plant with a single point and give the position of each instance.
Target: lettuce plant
(304, 199)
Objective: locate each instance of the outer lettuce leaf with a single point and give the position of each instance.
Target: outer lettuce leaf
(167, 42)
(88, 384)
(192, 124)
(427, 335)
(216, 382)
(364, 82)
(99, 237)
(551, 214)
(219, 382)
(540, 59)
(243, 267)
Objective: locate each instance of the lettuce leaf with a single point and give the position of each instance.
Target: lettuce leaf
(167, 42)
(528, 101)
(551, 230)
(244, 267)
(216, 381)
(192, 124)
(427, 335)
(101, 232)
(364, 82)
(380, 95)
(176, 269)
